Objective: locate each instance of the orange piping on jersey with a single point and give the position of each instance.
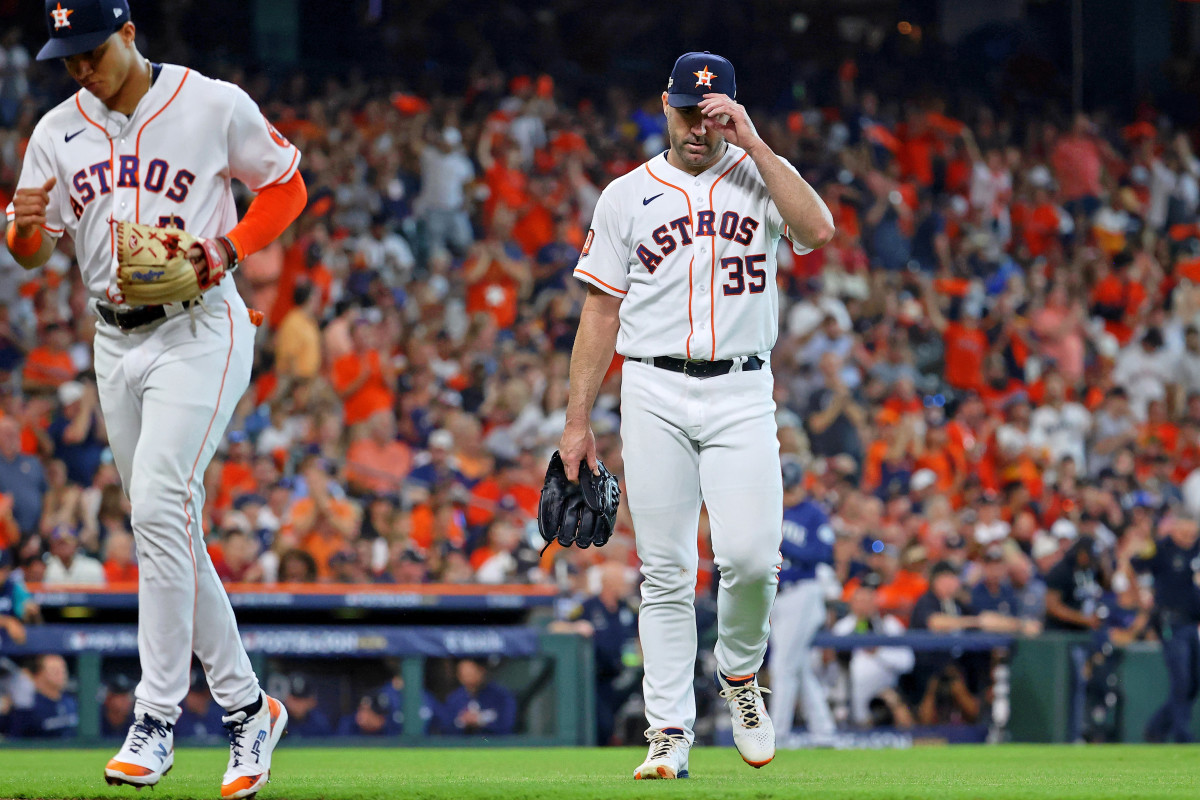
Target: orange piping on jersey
(712, 276)
(53, 231)
(602, 283)
(137, 145)
(688, 200)
(295, 155)
(112, 169)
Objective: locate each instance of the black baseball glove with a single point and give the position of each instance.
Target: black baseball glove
(581, 514)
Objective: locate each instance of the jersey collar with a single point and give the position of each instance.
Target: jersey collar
(165, 79)
(728, 158)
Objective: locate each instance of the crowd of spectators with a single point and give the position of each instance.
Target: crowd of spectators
(994, 366)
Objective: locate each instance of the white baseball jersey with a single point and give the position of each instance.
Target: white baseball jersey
(170, 163)
(692, 256)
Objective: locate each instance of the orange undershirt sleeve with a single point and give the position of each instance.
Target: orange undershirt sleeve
(269, 214)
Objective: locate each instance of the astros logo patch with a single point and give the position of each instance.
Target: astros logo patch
(60, 15)
(704, 77)
(276, 136)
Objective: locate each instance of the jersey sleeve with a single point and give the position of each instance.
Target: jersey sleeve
(604, 260)
(37, 168)
(259, 155)
(775, 223)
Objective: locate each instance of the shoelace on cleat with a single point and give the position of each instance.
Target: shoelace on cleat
(745, 699)
(142, 730)
(235, 729)
(661, 743)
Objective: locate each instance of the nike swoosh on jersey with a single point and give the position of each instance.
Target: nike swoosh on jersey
(647, 201)
(69, 136)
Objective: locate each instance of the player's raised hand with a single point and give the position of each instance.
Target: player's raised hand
(730, 119)
(29, 207)
(577, 444)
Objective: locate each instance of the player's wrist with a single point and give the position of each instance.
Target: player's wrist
(24, 243)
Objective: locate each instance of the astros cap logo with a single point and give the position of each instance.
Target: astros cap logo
(704, 77)
(60, 15)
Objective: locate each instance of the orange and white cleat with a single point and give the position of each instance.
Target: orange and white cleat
(668, 756)
(252, 740)
(147, 755)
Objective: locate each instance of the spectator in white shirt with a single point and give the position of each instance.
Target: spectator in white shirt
(442, 204)
(1060, 426)
(1145, 369)
(66, 566)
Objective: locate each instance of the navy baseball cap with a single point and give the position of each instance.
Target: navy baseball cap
(793, 473)
(697, 74)
(77, 26)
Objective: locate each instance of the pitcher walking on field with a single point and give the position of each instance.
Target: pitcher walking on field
(160, 144)
(680, 263)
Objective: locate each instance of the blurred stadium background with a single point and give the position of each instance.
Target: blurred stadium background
(1005, 327)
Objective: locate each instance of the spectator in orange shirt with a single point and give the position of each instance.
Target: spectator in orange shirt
(964, 341)
(237, 471)
(497, 273)
(322, 523)
(364, 377)
(49, 365)
(1077, 165)
(947, 460)
(120, 566)
(376, 462)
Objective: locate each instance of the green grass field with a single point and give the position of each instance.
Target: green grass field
(927, 773)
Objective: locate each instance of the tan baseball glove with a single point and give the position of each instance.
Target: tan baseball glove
(165, 265)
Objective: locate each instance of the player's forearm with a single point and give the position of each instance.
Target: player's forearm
(595, 342)
(803, 210)
(29, 254)
(269, 215)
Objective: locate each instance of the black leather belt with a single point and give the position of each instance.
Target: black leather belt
(135, 317)
(704, 369)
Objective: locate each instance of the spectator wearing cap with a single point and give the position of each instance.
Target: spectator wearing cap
(439, 466)
(365, 377)
(21, 477)
(298, 340)
(1173, 560)
(994, 592)
(54, 712)
(407, 566)
(15, 607)
(67, 566)
(305, 718)
(1059, 426)
(78, 431)
(374, 716)
(478, 705)
(442, 204)
(237, 471)
(377, 462)
(990, 526)
(201, 716)
(799, 611)
(874, 672)
(116, 707)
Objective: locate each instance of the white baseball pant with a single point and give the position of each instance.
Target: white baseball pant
(799, 613)
(167, 394)
(686, 441)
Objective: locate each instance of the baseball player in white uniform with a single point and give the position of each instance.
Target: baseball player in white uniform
(160, 144)
(680, 263)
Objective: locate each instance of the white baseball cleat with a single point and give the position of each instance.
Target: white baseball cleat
(147, 755)
(753, 732)
(252, 739)
(668, 756)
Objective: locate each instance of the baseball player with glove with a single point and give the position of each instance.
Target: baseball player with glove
(680, 267)
(137, 167)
